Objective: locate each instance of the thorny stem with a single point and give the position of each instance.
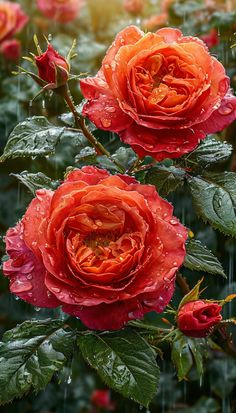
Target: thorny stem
(149, 327)
(224, 339)
(182, 283)
(80, 124)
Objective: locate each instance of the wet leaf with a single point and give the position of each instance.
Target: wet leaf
(187, 352)
(125, 362)
(87, 156)
(32, 137)
(200, 258)
(214, 197)
(30, 354)
(211, 150)
(36, 181)
(165, 179)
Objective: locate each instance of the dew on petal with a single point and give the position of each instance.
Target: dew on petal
(106, 123)
(19, 286)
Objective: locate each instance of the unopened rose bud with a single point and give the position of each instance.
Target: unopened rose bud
(11, 49)
(102, 400)
(196, 318)
(52, 68)
(133, 6)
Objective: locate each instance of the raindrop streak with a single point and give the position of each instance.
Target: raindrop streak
(230, 276)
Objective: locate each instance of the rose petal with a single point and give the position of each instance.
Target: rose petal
(25, 271)
(161, 144)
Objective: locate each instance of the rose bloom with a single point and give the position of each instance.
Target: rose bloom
(162, 92)
(133, 6)
(196, 318)
(52, 67)
(12, 19)
(155, 21)
(102, 400)
(62, 11)
(104, 247)
(211, 38)
(11, 49)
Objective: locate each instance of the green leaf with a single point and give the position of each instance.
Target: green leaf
(187, 352)
(165, 179)
(30, 354)
(125, 362)
(192, 295)
(181, 356)
(200, 258)
(87, 156)
(32, 137)
(211, 150)
(214, 197)
(36, 181)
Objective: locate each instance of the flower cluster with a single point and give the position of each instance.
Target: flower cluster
(12, 21)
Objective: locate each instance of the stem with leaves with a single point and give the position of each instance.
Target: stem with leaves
(80, 124)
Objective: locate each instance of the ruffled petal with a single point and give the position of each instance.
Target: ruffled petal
(26, 272)
(162, 144)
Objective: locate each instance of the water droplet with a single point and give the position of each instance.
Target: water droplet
(226, 110)
(37, 308)
(110, 109)
(106, 122)
(29, 277)
(56, 290)
(19, 286)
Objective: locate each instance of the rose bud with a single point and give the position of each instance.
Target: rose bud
(104, 247)
(211, 39)
(62, 11)
(196, 318)
(155, 21)
(52, 68)
(133, 6)
(11, 49)
(102, 400)
(12, 19)
(161, 92)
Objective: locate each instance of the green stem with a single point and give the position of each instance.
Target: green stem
(149, 327)
(80, 124)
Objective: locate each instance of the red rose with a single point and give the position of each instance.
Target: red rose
(211, 39)
(52, 68)
(102, 400)
(162, 92)
(12, 19)
(133, 6)
(62, 11)
(196, 318)
(11, 49)
(104, 247)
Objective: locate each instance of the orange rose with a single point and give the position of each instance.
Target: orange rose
(162, 92)
(62, 11)
(12, 19)
(104, 247)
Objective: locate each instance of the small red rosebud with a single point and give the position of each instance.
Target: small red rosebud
(196, 318)
(211, 38)
(52, 68)
(133, 6)
(11, 49)
(102, 399)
